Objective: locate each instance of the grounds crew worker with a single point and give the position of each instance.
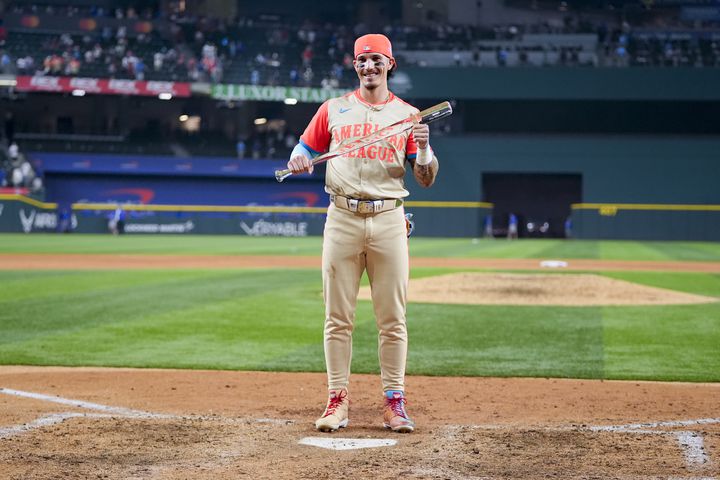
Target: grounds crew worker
(365, 227)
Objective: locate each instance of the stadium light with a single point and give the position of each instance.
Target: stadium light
(78, 93)
(260, 121)
(165, 96)
(291, 101)
(183, 118)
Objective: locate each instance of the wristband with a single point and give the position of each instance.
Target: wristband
(424, 156)
(301, 149)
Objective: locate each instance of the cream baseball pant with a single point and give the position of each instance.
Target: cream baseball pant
(353, 243)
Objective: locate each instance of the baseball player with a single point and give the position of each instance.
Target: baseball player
(365, 228)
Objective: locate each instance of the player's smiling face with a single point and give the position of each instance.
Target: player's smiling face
(372, 69)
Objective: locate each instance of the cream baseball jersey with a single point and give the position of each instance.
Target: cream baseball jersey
(373, 172)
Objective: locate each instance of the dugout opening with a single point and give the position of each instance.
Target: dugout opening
(540, 201)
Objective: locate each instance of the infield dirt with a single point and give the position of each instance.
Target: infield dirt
(228, 425)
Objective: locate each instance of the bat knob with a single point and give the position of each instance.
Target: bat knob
(281, 175)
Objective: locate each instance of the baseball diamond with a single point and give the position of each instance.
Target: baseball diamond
(640, 407)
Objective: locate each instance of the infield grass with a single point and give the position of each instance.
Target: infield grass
(271, 319)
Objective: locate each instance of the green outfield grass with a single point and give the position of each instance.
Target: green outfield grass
(272, 319)
(422, 247)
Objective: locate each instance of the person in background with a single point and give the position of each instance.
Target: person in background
(568, 227)
(488, 228)
(512, 232)
(240, 148)
(117, 221)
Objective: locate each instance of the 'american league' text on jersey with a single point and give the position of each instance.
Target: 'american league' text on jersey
(373, 172)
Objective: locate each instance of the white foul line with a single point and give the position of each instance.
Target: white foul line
(125, 412)
(45, 421)
(109, 411)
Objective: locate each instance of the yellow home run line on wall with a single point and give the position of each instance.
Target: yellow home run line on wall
(28, 200)
(255, 208)
(196, 208)
(224, 208)
(429, 204)
(644, 206)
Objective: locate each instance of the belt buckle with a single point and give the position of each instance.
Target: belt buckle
(366, 207)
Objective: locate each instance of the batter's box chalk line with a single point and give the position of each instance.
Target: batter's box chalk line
(691, 443)
(107, 412)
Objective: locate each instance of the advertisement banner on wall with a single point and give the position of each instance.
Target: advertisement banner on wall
(19, 217)
(251, 225)
(103, 86)
(46, 19)
(275, 93)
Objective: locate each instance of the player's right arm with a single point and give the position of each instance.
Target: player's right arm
(315, 140)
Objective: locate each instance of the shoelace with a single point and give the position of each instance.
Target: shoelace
(398, 406)
(334, 403)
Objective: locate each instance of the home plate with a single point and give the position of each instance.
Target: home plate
(347, 443)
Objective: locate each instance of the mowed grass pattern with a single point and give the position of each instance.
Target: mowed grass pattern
(271, 319)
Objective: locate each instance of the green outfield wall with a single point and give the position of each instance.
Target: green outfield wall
(631, 187)
(655, 187)
(19, 214)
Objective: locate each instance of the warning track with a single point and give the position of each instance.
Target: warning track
(22, 261)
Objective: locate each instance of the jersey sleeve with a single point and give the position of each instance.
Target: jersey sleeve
(411, 147)
(316, 137)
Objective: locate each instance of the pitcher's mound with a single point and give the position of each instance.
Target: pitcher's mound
(529, 289)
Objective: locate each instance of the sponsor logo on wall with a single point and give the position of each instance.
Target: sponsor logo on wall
(37, 220)
(185, 227)
(261, 228)
(34, 220)
(2, 207)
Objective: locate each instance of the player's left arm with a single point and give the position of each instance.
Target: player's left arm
(421, 156)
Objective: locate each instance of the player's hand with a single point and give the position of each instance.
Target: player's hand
(300, 164)
(421, 134)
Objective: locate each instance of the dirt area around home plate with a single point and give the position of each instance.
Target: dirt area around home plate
(87, 423)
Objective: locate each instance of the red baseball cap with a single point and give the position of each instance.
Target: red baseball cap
(374, 43)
